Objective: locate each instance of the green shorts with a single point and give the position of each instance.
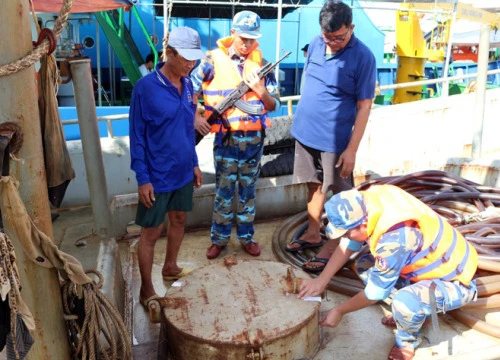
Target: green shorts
(177, 200)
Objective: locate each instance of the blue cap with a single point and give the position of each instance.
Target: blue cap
(345, 211)
(187, 42)
(247, 24)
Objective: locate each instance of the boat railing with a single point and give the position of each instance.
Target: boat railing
(107, 118)
(289, 100)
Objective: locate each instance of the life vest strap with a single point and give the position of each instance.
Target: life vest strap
(447, 255)
(423, 253)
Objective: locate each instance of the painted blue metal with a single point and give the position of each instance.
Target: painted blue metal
(298, 28)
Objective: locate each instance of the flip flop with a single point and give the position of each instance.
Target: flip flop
(316, 269)
(177, 276)
(303, 245)
(145, 302)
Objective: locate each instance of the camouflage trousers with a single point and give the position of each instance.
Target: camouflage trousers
(411, 304)
(237, 160)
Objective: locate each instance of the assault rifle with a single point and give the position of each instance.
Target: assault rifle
(234, 99)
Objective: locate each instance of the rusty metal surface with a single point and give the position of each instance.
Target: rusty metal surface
(237, 309)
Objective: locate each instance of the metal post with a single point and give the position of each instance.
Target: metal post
(296, 88)
(19, 103)
(165, 15)
(482, 68)
(209, 45)
(98, 53)
(447, 59)
(91, 144)
(278, 40)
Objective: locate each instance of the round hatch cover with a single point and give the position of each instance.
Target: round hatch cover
(239, 309)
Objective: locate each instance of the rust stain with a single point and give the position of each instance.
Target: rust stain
(218, 326)
(203, 293)
(230, 261)
(267, 279)
(256, 337)
(176, 303)
(250, 291)
(241, 337)
(252, 298)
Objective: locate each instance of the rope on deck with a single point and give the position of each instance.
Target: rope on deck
(92, 320)
(43, 46)
(101, 318)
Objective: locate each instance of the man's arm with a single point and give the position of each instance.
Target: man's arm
(393, 252)
(365, 92)
(348, 158)
(317, 286)
(137, 131)
(137, 134)
(334, 316)
(204, 72)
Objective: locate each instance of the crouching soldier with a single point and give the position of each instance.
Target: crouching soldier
(414, 249)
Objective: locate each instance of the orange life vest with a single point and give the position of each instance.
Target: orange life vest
(445, 254)
(226, 79)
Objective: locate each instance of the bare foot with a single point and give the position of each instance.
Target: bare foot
(145, 293)
(171, 271)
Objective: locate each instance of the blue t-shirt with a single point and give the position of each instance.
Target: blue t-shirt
(327, 108)
(162, 141)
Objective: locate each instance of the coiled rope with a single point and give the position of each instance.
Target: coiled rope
(87, 310)
(42, 48)
(9, 271)
(165, 36)
(101, 317)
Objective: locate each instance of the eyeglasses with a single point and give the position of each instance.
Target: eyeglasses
(337, 39)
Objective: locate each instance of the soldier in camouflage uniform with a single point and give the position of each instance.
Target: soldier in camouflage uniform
(414, 255)
(237, 153)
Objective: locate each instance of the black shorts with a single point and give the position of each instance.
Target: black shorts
(316, 166)
(177, 200)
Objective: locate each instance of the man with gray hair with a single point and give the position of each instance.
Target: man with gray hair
(238, 150)
(162, 149)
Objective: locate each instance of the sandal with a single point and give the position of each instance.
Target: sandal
(398, 353)
(177, 276)
(317, 269)
(145, 302)
(303, 245)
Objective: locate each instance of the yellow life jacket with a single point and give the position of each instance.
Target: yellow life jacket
(226, 79)
(444, 254)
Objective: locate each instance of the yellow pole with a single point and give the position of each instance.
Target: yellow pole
(18, 103)
(410, 48)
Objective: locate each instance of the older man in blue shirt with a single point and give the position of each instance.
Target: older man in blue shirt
(162, 148)
(331, 118)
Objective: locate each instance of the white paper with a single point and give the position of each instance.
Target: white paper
(313, 298)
